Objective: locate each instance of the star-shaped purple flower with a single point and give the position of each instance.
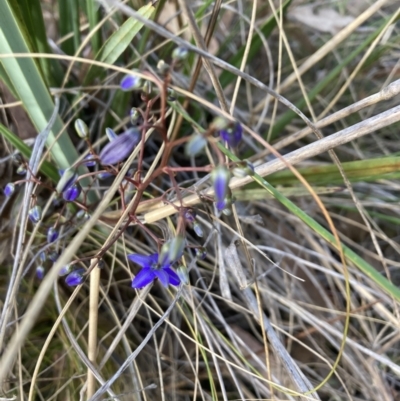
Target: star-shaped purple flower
(152, 269)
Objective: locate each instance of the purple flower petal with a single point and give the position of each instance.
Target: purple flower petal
(173, 278)
(163, 276)
(75, 278)
(220, 177)
(145, 261)
(130, 82)
(120, 148)
(71, 193)
(9, 189)
(52, 235)
(232, 135)
(68, 178)
(143, 278)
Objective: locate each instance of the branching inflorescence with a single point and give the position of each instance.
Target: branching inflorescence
(71, 206)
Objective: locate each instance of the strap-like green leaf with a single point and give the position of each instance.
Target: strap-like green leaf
(119, 41)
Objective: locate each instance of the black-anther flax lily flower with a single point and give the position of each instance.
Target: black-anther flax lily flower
(158, 266)
(120, 148)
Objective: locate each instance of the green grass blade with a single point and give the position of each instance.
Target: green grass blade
(32, 90)
(69, 25)
(388, 287)
(362, 170)
(117, 43)
(30, 14)
(46, 168)
(93, 15)
(227, 77)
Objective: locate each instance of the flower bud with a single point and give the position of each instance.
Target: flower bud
(183, 275)
(180, 53)
(68, 178)
(89, 160)
(52, 235)
(21, 170)
(35, 214)
(42, 257)
(201, 253)
(53, 256)
(189, 215)
(220, 177)
(243, 169)
(197, 229)
(136, 116)
(72, 193)
(171, 95)
(195, 145)
(75, 278)
(9, 189)
(131, 82)
(162, 67)
(220, 123)
(171, 250)
(81, 128)
(65, 270)
(40, 272)
(120, 147)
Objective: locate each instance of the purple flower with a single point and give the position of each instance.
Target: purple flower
(75, 278)
(152, 270)
(232, 135)
(131, 82)
(52, 235)
(65, 270)
(9, 189)
(71, 193)
(120, 147)
(220, 177)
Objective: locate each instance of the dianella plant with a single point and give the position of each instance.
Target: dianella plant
(190, 211)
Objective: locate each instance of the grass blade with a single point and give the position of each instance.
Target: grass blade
(117, 43)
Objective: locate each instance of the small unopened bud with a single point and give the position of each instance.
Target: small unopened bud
(81, 128)
(220, 123)
(52, 235)
(171, 95)
(35, 214)
(243, 169)
(180, 53)
(183, 274)
(201, 253)
(72, 193)
(42, 257)
(89, 160)
(9, 189)
(197, 229)
(171, 250)
(220, 177)
(21, 170)
(65, 270)
(75, 278)
(163, 67)
(131, 82)
(136, 116)
(147, 90)
(68, 178)
(189, 215)
(40, 272)
(53, 256)
(195, 145)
